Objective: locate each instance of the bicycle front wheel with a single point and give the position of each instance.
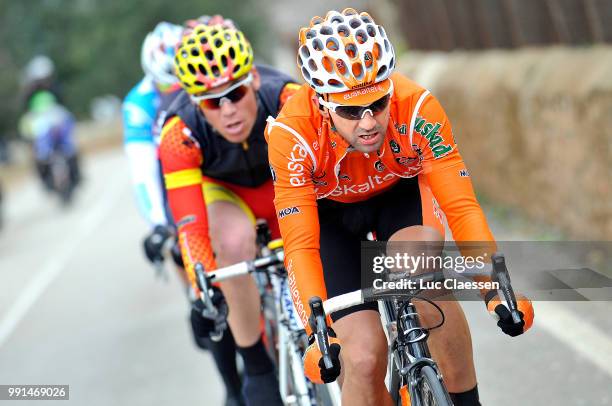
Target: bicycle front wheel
(432, 389)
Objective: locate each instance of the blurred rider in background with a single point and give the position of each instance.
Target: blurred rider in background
(39, 75)
(49, 126)
(143, 112)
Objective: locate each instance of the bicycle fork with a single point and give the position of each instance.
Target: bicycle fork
(409, 351)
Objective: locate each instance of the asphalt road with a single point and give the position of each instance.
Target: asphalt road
(80, 306)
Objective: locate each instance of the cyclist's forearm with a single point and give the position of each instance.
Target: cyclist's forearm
(189, 210)
(305, 280)
(146, 179)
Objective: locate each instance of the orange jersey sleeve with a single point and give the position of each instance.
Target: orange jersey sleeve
(449, 180)
(447, 174)
(295, 202)
(181, 158)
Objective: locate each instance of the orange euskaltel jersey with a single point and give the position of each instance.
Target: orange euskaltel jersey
(310, 161)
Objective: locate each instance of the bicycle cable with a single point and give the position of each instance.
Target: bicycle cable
(405, 304)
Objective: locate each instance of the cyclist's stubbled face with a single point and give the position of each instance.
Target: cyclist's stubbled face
(365, 135)
(234, 121)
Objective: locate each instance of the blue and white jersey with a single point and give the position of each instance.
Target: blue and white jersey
(140, 109)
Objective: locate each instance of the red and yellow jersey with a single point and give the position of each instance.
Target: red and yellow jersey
(311, 161)
(182, 155)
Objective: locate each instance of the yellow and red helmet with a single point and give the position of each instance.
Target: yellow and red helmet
(210, 56)
(344, 51)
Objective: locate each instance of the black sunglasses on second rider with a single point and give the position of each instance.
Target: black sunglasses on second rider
(234, 94)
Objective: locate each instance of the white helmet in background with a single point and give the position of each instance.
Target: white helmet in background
(40, 67)
(157, 56)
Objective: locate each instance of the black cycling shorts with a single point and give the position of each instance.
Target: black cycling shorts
(345, 225)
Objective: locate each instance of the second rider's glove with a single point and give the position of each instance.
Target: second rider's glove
(314, 367)
(204, 323)
(154, 243)
(502, 314)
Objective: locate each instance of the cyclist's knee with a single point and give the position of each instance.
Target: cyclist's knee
(364, 346)
(417, 233)
(235, 246)
(364, 364)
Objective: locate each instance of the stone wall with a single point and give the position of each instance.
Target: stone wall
(534, 126)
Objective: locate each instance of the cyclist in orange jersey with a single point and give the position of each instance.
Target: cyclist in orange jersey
(215, 164)
(361, 149)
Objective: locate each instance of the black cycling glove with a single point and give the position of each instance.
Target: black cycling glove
(154, 242)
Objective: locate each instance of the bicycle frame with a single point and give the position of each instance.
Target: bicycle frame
(408, 350)
(291, 340)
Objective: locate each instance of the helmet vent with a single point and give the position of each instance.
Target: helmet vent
(351, 50)
(355, 22)
(332, 44)
(327, 64)
(357, 70)
(371, 30)
(343, 31)
(326, 30)
(312, 65)
(381, 71)
(317, 44)
(361, 36)
(368, 59)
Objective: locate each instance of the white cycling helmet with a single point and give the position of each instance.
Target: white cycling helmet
(39, 68)
(344, 51)
(157, 56)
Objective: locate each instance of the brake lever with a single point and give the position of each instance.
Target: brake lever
(319, 327)
(501, 275)
(210, 311)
